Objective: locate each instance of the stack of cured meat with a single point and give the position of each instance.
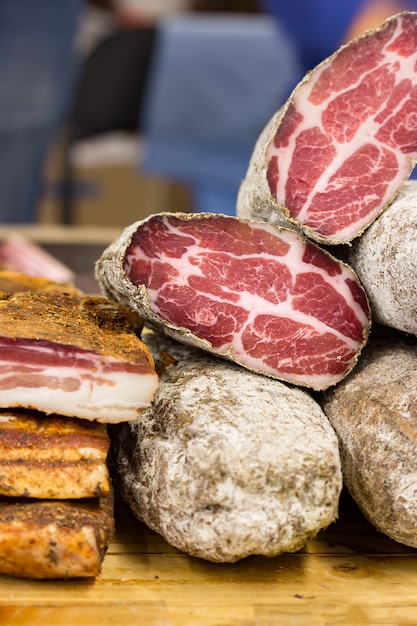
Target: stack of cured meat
(262, 293)
(70, 364)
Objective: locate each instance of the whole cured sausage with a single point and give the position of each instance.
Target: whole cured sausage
(227, 463)
(373, 412)
(385, 260)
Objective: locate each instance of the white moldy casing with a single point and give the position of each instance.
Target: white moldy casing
(373, 412)
(228, 463)
(385, 260)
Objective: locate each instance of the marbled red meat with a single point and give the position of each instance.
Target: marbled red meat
(341, 148)
(264, 297)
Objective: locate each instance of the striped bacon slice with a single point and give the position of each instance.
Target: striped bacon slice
(50, 456)
(74, 356)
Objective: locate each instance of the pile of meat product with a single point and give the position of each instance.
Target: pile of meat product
(246, 311)
(70, 365)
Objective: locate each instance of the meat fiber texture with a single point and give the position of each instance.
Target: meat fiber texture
(339, 150)
(227, 463)
(373, 412)
(264, 297)
(385, 259)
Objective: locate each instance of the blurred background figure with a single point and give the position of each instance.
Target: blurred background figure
(36, 71)
(218, 71)
(319, 27)
(216, 78)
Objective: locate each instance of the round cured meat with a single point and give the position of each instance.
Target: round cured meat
(227, 463)
(339, 150)
(262, 296)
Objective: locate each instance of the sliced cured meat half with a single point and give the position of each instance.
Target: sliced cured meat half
(78, 357)
(262, 296)
(337, 153)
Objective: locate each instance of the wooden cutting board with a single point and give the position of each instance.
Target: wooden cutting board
(349, 575)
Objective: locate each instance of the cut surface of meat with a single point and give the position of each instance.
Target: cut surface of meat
(264, 297)
(345, 142)
(50, 456)
(43, 539)
(78, 357)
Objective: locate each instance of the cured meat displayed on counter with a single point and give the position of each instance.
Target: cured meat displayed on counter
(227, 463)
(334, 156)
(12, 282)
(18, 254)
(50, 456)
(69, 365)
(264, 297)
(217, 446)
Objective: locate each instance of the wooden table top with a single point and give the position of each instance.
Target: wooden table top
(348, 575)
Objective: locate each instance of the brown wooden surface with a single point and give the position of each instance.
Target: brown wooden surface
(349, 575)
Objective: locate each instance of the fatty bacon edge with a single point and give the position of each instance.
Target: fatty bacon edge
(264, 297)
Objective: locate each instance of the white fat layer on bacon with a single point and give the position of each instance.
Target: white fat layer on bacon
(7, 418)
(116, 397)
(312, 117)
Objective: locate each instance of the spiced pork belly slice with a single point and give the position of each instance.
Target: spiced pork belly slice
(50, 456)
(74, 356)
(43, 539)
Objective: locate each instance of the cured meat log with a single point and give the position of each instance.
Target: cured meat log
(73, 356)
(385, 259)
(262, 296)
(50, 456)
(333, 157)
(54, 539)
(227, 463)
(373, 412)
